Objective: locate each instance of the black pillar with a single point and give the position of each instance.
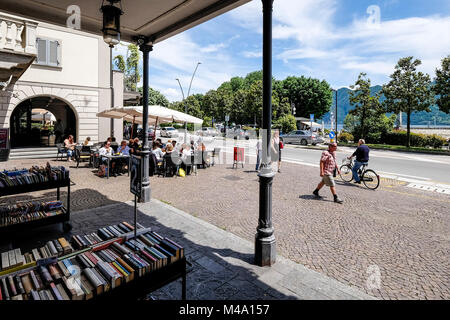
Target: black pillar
(145, 194)
(111, 86)
(265, 245)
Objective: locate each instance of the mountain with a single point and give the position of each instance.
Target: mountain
(417, 118)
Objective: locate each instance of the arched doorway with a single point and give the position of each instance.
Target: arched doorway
(34, 122)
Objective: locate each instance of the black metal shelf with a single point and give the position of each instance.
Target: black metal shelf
(146, 284)
(27, 188)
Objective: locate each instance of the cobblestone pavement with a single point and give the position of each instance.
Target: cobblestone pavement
(402, 232)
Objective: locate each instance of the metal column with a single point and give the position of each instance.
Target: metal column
(265, 245)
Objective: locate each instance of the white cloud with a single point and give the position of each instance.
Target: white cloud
(252, 54)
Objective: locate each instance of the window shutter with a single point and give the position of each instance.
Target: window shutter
(41, 51)
(53, 53)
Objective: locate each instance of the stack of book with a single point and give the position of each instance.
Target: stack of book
(100, 263)
(33, 176)
(28, 211)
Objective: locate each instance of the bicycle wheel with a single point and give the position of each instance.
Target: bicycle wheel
(346, 173)
(370, 179)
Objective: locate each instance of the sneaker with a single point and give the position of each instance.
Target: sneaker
(338, 200)
(358, 182)
(316, 193)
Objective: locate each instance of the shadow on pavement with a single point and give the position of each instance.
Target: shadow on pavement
(211, 277)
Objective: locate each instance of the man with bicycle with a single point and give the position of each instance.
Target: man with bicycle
(362, 158)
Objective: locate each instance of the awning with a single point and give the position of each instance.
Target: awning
(155, 19)
(155, 113)
(314, 124)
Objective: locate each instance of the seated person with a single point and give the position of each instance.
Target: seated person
(186, 157)
(156, 150)
(135, 147)
(114, 144)
(124, 149)
(69, 144)
(106, 150)
(88, 142)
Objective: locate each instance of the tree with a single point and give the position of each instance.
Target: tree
(133, 75)
(130, 68)
(442, 86)
(310, 96)
(408, 91)
(286, 123)
(155, 97)
(119, 61)
(366, 105)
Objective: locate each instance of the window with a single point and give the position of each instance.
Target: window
(48, 52)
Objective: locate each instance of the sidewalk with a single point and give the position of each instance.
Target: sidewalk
(222, 263)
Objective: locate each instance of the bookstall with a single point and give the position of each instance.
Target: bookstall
(116, 262)
(32, 214)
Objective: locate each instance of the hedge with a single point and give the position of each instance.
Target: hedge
(416, 139)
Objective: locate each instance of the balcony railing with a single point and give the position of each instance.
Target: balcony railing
(17, 34)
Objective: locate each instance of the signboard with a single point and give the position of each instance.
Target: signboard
(227, 118)
(3, 138)
(311, 117)
(136, 175)
(331, 135)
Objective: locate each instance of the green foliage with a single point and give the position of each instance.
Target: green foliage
(408, 91)
(285, 123)
(367, 106)
(397, 137)
(350, 122)
(310, 96)
(119, 61)
(207, 122)
(155, 98)
(442, 86)
(345, 137)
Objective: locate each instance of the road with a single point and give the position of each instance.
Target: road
(412, 167)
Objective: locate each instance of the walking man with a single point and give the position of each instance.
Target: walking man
(328, 169)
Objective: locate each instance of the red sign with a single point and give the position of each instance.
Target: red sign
(3, 138)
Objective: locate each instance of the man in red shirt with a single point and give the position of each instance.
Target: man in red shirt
(328, 166)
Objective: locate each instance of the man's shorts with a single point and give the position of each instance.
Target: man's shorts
(329, 181)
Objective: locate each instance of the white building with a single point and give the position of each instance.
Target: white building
(62, 70)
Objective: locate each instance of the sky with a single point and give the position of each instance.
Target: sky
(332, 40)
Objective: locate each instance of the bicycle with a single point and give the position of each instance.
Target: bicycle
(368, 176)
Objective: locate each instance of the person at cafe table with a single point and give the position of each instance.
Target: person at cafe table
(104, 151)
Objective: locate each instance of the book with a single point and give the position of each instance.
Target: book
(35, 295)
(55, 291)
(18, 256)
(95, 282)
(5, 289)
(5, 260)
(87, 287)
(36, 284)
(62, 292)
(19, 285)
(36, 254)
(12, 286)
(45, 274)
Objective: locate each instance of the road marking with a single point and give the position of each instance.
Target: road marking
(416, 195)
(405, 175)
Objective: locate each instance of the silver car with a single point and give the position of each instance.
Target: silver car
(302, 137)
(169, 132)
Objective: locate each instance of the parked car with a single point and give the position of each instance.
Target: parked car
(151, 134)
(207, 132)
(169, 132)
(302, 137)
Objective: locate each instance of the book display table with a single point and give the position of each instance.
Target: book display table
(117, 262)
(26, 225)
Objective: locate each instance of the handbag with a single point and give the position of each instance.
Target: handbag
(181, 172)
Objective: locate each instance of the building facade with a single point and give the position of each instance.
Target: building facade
(61, 70)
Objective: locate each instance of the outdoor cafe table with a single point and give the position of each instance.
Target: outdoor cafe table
(114, 157)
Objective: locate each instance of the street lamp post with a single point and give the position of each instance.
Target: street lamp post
(184, 99)
(265, 244)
